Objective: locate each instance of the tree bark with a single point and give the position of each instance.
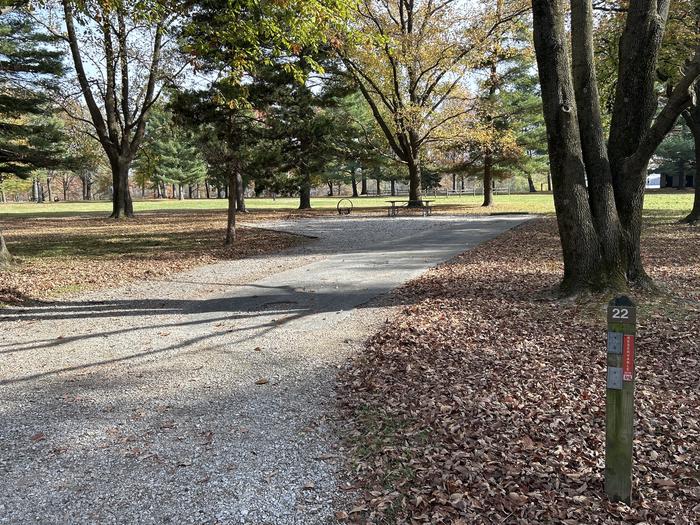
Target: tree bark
(48, 188)
(305, 192)
(488, 180)
(639, 48)
(531, 184)
(353, 180)
(363, 184)
(601, 194)
(231, 215)
(122, 205)
(414, 179)
(578, 237)
(392, 184)
(330, 188)
(5, 257)
(240, 194)
(694, 124)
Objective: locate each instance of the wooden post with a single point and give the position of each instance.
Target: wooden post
(619, 428)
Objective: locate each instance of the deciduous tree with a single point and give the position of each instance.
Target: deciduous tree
(598, 183)
(410, 58)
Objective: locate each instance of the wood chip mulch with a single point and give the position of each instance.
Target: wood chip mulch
(483, 401)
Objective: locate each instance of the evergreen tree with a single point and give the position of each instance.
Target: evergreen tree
(28, 67)
(169, 155)
(297, 117)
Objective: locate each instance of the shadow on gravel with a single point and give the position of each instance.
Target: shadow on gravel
(273, 307)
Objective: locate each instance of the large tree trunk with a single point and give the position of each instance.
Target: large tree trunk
(694, 215)
(353, 180)
(392, 187)
(240, 194)
(414, 182)
(579, 241)
(601, 194)
(305, 193)
(633, 111)
(488, 180)
(363, 185)
(5, 257)
(48, 188)
(122, 205)
(330, 188)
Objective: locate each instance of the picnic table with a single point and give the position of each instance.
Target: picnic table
(397, 204)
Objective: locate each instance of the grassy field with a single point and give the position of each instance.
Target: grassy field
(666, 203)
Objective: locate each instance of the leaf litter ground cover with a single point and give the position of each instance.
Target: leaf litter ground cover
(483, 401)
(62, 255)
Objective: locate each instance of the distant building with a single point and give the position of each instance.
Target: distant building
(678, 181)
(653, 181)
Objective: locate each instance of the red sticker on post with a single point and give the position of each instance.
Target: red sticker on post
(628, 358)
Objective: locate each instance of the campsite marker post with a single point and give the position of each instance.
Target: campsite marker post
(619, 424)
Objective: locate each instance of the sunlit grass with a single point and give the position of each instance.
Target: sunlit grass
(667, 204)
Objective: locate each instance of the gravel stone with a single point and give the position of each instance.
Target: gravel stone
(140, 404)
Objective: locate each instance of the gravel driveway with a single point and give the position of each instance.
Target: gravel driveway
(207, 397)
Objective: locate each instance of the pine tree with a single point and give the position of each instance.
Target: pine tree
(28, 67)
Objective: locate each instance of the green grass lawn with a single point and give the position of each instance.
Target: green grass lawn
(656, 203)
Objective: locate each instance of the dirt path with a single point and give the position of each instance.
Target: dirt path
(207, 398)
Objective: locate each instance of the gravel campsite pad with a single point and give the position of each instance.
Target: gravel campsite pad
(208, 396)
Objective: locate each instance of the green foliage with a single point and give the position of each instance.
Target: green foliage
(29, 66)
(240, 36)
(677, 153)
(169, 154)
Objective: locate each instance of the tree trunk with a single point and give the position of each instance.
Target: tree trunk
(694, 215)
(122, 205)
(531, 183)
(88, 187)
(633, 111)
(579, 241)
(305, 192)
(414, 182)
(454, 182)
(353, 180)
(231, 217)
(392, 184)
(206, 189)
(488, 180)
(48, 188)
(330, 188)
(180, 194)
(549, 181)
(363, 184)
(601, 194)
(66, 183)
(240, 194)
(5, 257)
